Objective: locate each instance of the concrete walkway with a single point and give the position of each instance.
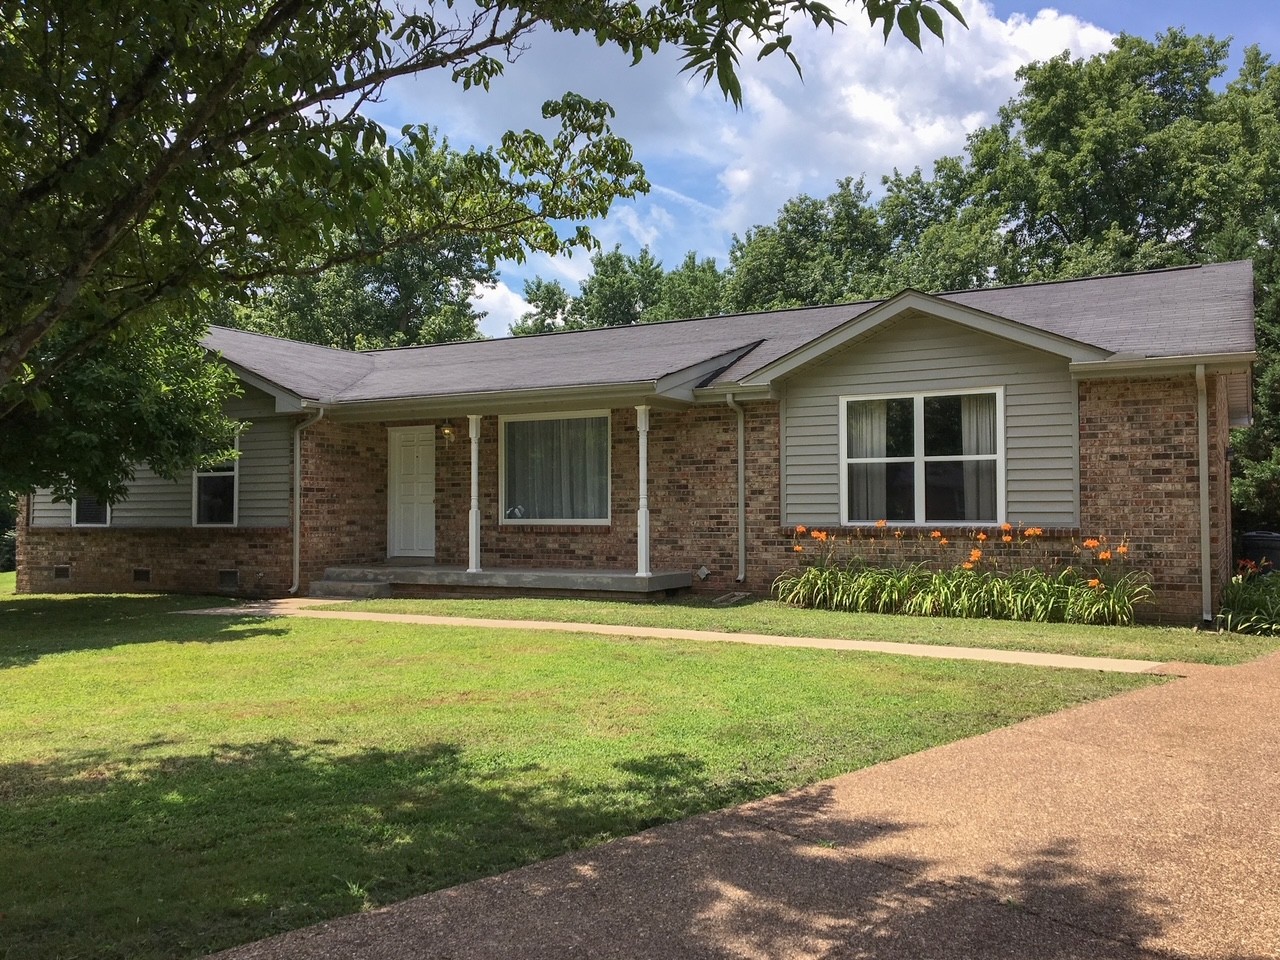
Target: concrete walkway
(1146, 826)
(305, 607)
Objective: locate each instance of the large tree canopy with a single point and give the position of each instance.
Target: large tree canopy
(155, 155)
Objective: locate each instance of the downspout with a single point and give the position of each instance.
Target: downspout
(1206, 546)
(742, 486)
(297, 497)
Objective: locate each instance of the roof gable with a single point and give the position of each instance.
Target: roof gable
(911, 302)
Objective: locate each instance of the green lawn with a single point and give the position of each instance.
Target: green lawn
(767, 616)
(170, 785)
(7, 581)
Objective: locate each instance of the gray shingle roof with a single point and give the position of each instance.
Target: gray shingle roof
(1186, 311)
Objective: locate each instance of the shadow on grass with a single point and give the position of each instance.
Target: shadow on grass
(33, 627)
(141, 855)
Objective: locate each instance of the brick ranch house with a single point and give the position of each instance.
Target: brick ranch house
(649, 458)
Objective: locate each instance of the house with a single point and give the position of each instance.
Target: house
(650, 458)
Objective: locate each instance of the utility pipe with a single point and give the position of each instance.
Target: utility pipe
(742, 486)
(1206, 544)
(297, 497)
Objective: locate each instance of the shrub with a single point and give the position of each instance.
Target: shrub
(1093, 592)
(1251, 602)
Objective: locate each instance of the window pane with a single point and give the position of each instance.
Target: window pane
(881, 428)
(557, 469)
(942, 433)
(216, 498)
(90, 512)
(960, 425)
(960, 491)
(881, 491)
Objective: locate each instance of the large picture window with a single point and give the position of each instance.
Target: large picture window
(214, 495)
(926, 458)
(555, 470)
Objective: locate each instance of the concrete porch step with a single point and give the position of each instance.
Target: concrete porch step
(346, 589)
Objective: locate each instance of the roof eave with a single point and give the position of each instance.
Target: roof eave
(583, 397)
(1240, 362)
(286, 400)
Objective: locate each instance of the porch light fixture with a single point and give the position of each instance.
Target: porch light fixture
(449, 434)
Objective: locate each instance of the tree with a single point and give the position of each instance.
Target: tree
(158, 156)
(692, 289)
(818, 251)
(618, 292)
(550, 302)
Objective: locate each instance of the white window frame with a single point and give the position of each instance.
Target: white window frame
(235, 496)
(504, 520)
(77, 523)
(918, 459)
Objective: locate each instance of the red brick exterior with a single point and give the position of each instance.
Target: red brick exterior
(1140, 477)
(1138, 480)
(186, 560)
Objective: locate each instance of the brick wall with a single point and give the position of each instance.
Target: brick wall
(1139, 476)
(195, 560)
(692, 500)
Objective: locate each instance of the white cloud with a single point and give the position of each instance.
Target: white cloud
(863, 108)
(504, 307)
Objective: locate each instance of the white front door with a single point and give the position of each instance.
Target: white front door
(411, 492)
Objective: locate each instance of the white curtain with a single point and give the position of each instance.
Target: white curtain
(557, 469)
(867, 437)
(978, 436)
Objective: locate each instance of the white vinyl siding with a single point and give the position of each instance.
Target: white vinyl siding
(265, 483)
(925, 354)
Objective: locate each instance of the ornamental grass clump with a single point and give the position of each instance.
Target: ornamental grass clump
(1091, 589)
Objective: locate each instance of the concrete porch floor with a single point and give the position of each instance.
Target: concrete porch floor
(411, 576)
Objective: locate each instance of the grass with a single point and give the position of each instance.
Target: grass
(767, 616)
(172, 785)
(7, 582)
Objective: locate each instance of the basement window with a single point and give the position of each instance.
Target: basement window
(89, 511)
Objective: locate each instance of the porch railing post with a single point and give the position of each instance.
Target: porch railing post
(473, 519)
(642, 514)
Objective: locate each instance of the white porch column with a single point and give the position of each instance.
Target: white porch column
(473, 524)
(642, 514)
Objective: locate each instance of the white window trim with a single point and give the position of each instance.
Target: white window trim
(76, 523)
(503, 420)
(235, 499)
(918, 397)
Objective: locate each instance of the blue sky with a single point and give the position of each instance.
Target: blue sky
(863, 108)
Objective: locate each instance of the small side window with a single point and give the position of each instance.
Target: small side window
(215, 494)
(88, 511)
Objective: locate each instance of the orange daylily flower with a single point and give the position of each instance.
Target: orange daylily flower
(882, 523)
(798, 549)
(1095, 583)
(1104, 556)
(981, 537)
(966, 565)
(943, 542)
(936, 534)
(801, 528)
(1033, 532)
(1006, 527)
(975, 555)
(1090, 544)
(819, 535)
(1007, 538)
(1122, 549)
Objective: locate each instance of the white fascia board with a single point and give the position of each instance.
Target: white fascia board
(1151, 366)
(286, 400)
(719, 392)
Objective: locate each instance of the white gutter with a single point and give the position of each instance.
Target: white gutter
(742, 487)
(297, 497)
(1211, 362)
(1206, 555)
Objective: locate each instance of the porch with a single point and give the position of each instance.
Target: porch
(410, 578)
